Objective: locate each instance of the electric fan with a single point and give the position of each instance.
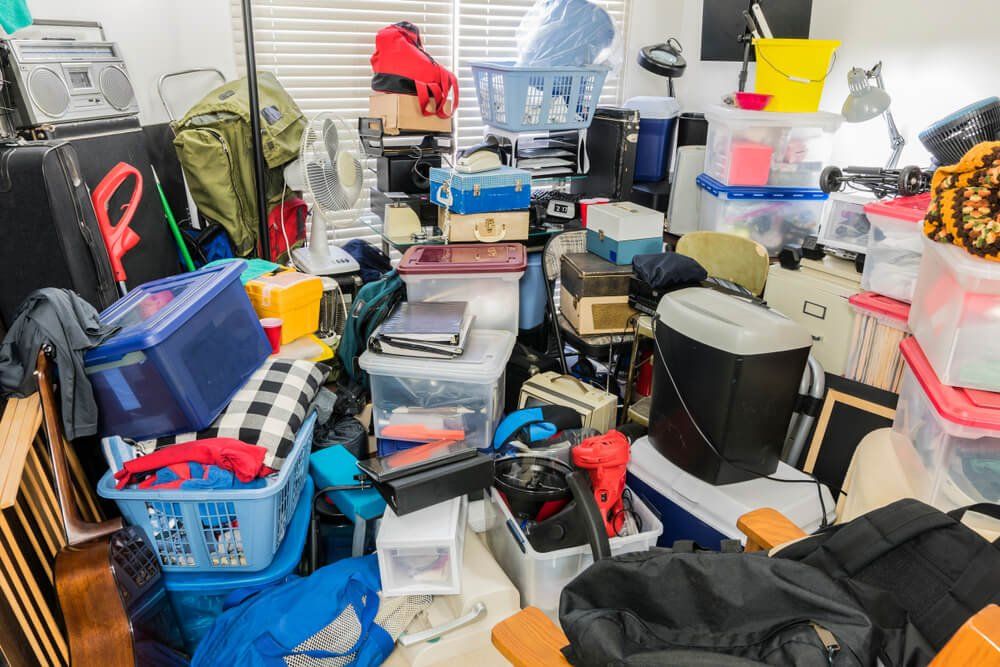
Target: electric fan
(328, 172)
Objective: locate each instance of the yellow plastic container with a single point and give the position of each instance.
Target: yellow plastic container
(793, 72)
(290, 295)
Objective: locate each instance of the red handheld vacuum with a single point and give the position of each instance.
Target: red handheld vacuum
(119, 237)
(605, 458)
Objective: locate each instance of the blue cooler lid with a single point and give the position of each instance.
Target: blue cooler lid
(153, 311)
(714, 187)
(285, 559)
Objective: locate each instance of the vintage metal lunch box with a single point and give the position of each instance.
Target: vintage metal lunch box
(503, 189)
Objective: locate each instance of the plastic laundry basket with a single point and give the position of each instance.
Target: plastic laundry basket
(793, 71)
(522, 99)
(214, 530)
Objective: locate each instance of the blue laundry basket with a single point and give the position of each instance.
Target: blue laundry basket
(214, 530)
(523, 99)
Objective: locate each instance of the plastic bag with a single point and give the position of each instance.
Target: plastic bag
(568, 33)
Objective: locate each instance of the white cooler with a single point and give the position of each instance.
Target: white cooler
(695, 510)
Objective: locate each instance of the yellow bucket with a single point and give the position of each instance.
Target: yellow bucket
(793, 71)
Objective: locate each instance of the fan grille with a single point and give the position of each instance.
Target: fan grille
(330, 164)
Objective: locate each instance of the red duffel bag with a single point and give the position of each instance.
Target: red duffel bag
(402, 66)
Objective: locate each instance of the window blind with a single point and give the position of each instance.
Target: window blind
(320, 50)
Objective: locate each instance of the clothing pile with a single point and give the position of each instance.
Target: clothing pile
(965, 208)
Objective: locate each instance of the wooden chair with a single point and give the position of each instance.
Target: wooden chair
(531, 639)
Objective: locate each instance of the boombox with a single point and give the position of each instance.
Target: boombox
(64, 81)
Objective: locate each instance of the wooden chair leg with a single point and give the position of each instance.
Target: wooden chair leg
(529, 638)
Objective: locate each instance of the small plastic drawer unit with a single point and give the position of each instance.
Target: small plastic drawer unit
(292, 296)
(845, 224)
(503, 189)
(773, 217)
(879, 327)
(955, 432)
(892, 259)
(620, 231)
(187, 343)
(956, 316)
(461, 394)
(421, 553)
(758, 148)
(486, 276)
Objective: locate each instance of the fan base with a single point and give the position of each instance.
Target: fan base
(338, 262)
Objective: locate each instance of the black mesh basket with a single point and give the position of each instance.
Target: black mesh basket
(951, 137)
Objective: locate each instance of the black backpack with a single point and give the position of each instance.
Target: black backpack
(663, 607)
(919, 573)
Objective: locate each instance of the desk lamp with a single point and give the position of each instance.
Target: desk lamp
(866, 102)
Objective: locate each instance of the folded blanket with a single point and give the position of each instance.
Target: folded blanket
(965, 204)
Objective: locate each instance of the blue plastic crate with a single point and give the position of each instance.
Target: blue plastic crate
(523, 99)
(187, 344)
(503, 189)
(198, 598)
(213, 530)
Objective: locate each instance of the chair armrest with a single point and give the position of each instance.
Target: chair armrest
(529, 638)
(977, 642)
(767, 528)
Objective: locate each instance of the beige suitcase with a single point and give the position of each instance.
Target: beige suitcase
(456, 629)
(597, 407)
(816, 297)
(483, 227)
(597, 314)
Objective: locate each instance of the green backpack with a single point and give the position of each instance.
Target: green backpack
(370, 307)
(215, 149)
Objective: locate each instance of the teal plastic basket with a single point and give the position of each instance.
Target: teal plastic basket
(525, 99)
(214, 530)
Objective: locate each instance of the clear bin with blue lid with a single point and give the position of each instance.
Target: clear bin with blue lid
(199, 598)
(187, 343)
(657, 116)
(773, 217)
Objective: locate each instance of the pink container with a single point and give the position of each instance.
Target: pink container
(750, 163)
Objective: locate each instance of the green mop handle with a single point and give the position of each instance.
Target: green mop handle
(172, 223)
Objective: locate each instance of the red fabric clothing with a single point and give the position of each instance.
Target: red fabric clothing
(245, 461)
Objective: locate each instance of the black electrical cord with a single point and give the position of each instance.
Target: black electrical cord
(812, 479)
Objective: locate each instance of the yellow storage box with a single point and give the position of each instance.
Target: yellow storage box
(290, 295)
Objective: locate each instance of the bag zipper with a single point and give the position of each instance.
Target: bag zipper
(828, 641)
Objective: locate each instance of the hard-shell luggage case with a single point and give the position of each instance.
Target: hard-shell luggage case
(49, 229)
(595, 294)
(612, 142)
(483, 227)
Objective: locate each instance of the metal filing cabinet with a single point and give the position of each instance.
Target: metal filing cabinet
(815, 295)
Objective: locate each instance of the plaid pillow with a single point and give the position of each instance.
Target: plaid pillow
(268, 411)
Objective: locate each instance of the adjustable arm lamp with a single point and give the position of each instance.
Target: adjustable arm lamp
(866, 102)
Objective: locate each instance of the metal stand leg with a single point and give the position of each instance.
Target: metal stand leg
(360, 533)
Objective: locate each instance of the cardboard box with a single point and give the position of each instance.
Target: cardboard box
(401, 113)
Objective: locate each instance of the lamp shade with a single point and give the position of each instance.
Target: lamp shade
(864, 102)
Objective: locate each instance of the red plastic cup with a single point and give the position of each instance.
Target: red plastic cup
(272, 329)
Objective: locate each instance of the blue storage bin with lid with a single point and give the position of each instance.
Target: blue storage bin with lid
(657, 116)
(187, 343)
(199, 597)
(503, 189)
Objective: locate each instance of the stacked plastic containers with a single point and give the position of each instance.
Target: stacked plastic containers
(485, 276)
(895, 246)
(761, 174)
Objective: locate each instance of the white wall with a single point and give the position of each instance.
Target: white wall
(936, 58)
(156, 37)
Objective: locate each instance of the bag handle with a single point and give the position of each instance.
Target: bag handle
(365, 602)
(991, 510)
(499, 232)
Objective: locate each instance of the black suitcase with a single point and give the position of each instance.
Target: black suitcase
(612, 142)
(49, 230)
